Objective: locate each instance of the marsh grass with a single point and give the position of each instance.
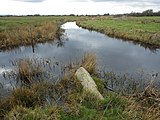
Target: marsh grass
(89, 62)
(144, 105)
(32, 96)
(28, 71)
(22, 113)
(29, 34)
(92, 108)
(29, 97)
(139, 29)
(29, 101)
(65, 99)
(29, 30)
(128, 84)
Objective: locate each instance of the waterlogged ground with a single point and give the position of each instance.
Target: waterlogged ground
(112, 54)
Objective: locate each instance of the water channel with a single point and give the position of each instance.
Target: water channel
(112, 54)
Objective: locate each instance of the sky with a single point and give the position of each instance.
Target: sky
(77, 7)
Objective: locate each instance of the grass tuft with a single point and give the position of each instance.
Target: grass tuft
(27, 71)
(89, 62)
(22, 113)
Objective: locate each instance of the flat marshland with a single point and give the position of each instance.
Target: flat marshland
(36, 94)
(35, 97)
(21, 31)
(140, 29)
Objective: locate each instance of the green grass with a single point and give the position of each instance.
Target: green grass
(112, 108)
(141, 29)
(22, 113)
(27, 30)
(100, 84)
(11, 22)
(66, 100)
(14, 34)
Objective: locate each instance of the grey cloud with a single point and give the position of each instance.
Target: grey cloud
(30, 0)
(108, 0)
(140, 1)
(135, 3)
(80, 1)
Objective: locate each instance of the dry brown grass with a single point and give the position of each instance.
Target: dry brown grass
(145, 105)
(22, 113)
(89, 62)
(28, 71)
(28, 97)
(29, 34)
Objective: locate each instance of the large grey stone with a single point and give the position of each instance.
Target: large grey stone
(87, 82)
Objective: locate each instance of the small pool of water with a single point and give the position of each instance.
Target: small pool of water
(113, 54)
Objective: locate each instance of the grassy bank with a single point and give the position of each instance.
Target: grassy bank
(36, 96)
(22, 31)
(145, 30)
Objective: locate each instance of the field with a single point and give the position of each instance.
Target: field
(36, 98)
(22, 31)
(18, 31)
(37, 95)
(145, 30)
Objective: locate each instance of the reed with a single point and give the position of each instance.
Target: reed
(89, 62)
(28, 72)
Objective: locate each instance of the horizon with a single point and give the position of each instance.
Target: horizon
(76, 7)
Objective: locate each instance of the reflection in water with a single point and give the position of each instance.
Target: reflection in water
(33, 48)
(70, 25)
(113, 54)
(152, 48)
(60, 43)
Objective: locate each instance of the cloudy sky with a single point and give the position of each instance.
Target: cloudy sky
(60, 7)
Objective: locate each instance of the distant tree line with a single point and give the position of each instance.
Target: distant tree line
(148, 12)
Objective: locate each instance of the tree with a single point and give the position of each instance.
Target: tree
(147, 12)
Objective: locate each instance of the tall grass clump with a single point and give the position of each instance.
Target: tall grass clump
(28, 71)
(32, 96)
(89, 62)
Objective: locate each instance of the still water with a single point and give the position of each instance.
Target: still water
(113, 54)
